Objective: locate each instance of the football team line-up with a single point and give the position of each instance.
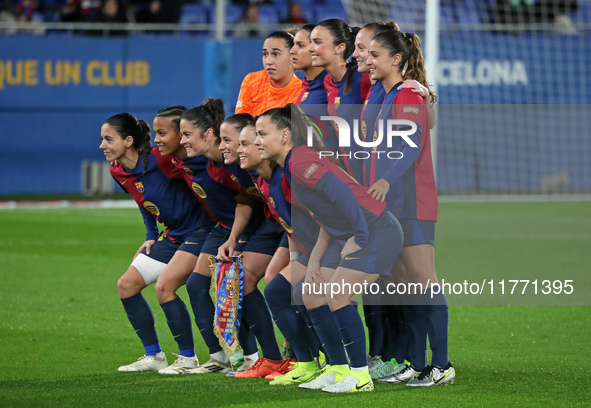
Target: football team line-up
(254, 184)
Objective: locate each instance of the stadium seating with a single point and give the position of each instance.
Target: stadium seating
(325, 12)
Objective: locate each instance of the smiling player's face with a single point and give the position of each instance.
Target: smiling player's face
(192, 140)
(361, 52)
(229, 142)
(276, 60)
(112, 144)
(167, 138)
(268, 139)
(250, 156)
(380, 63)
(321, 48)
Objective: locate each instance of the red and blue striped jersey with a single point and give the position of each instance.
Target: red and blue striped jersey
(348, 106)
(334, 199)
(233, 177)
(413, 193)
(162, 197)
(216, 198)
(314, 103)
(369, 114)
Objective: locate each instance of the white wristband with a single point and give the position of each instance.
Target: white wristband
(294, 255)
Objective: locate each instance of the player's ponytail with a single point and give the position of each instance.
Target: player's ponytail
(173, 113)
(412, 64)
(209, 115)
(146, 140)
(416, 65)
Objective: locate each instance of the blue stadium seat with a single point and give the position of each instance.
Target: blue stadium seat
(405, 17)
(195, 14)
(322, 13)
(471, 17)
(583, 14)
(233, 14)
(269, 15)
(283, 8)
(446, 16)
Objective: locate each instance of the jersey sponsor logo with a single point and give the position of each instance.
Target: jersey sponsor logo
(304, 96)
(124, 181)
(191, 243)
(310, 170)
(140, 187)
(285, 225)
(151, 207)
(242, 241)
(198, 190)
(351, 258)
(411, 109)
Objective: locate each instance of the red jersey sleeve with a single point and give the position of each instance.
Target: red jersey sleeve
(306, 167)
(410, 106)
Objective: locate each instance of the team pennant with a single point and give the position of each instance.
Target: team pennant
(227, 283)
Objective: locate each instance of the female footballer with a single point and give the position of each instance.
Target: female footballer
(164, 258)
(357, 241)
(275, 85)
(203, 170)
(407, 185)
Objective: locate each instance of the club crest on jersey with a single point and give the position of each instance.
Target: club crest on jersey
(304, 96)
(271, 202)
(234, 179)
(363, 130)
(198, 190)
(151, 208)
(139, 186)
(337, 102)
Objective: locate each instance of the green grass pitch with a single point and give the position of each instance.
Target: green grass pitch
(63, 331)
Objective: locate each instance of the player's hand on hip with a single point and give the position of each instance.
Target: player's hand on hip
(379, 190)
(147, 246)
(350, 247)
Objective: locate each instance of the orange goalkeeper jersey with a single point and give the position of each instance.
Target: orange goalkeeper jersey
(257, 95)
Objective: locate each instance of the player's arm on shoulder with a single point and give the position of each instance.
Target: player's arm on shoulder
(421, 90)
